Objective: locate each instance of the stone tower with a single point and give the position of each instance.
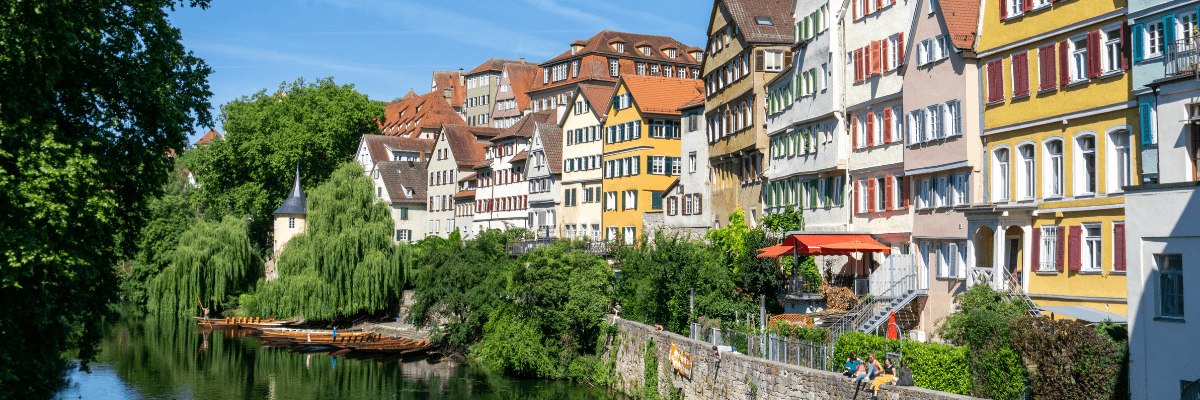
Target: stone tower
(289, 217)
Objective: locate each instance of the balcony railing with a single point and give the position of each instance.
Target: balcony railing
(525, 246)
(796, 286)
(1182, 56)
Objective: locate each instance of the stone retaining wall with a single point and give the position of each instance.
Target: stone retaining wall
(737, 376)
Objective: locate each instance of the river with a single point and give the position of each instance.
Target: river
(150, 357)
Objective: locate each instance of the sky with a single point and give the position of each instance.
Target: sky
(387, 47)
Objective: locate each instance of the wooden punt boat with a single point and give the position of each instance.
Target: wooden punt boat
(242, 322)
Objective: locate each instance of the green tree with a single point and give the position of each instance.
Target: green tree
(314, 125)
(346, 263)
(94, 94)
(739, 246)
(985, 327)
(656, 282)
(788, 220)
(458, 288)
(214, 262)
(169, 216)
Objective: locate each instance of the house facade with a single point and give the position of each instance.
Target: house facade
(512, 101)
(544, 166)
(641, 150)
(482, 86)
(685, 212)
(401, 185)
(373, 149)
(1057, 157)
(458, 150)
(582, 163)
(502, 194)
(749, 43)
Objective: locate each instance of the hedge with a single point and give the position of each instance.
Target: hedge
(934, 366)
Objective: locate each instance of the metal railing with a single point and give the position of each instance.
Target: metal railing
(771, 347)
(1012, 289)
(796, 285)
(525, 246)
(1182, 56)
(868, 307)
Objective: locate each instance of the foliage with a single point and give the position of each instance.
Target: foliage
(313, 125)
(345, 264)
(838, 297)
(984, 327)
(788, 220)
(656, 282)
(95, 94)
(169, 216)
(1070, 360)
(650, 371)
(934, 366)
(515, 345)
(458, 288)
(814, 334)
(739, 244)
(214, 261)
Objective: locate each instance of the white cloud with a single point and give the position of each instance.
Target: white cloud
(552, 6)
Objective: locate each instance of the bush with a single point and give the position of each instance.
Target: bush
(934, 366)
(814, 334)
(1070, 360)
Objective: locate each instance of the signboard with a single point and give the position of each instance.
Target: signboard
(681, 362)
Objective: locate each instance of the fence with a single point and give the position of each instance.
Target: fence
(522, 247)
(771, 347)
(1182, 56)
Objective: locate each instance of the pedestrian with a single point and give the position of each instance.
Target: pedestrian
(886, 377)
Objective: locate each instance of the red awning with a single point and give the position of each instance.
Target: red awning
(825, 244)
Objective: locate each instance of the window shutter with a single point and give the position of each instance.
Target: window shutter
(1026, 5)
(1147, 129)
(667, 164)
(1076, 236)
(854, 131)
(1125, 45)
(787, 58)
(1093, 49)
(899, 46)
(1119, 247)
(1168, 29)
(887, 193)
(883, 54)
(1004, 8)
(870, 130)
(813, 193)
(876, 67)
(649, 162)
(759, 60)
(878, 4)
(871, 195)
(1035, 257)
(1061, 237)
(859, 194)
(1044, 80)
(854, 3)
(869, 60)
(1137, 33)
(1064, 72)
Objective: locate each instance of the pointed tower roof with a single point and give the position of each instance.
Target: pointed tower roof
(295, 203)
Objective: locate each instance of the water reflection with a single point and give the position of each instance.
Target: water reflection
(149, 357)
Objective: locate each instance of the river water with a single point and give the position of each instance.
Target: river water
(169, 358)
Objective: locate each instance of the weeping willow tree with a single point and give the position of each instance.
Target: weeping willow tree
(345, 264)
(214, 260)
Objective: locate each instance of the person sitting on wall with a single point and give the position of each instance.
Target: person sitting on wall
(851, 365)
(873, 366)
(904, 376)
(860, 373)
(887, 377)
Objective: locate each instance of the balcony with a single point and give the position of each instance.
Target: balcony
(1181, 56)
(796, 288)
(518, 248)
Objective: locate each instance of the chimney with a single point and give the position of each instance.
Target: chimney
(462, 80)
(522, 59)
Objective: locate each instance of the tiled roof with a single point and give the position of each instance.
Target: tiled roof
(962, 19)
(468, 177)
(399, 175)
(495, 64)
(524, 127)
(520, 78)
(657, 95)
(427, 111)
(452, 80)
(552, 139)
(409, 96)
(595, 51)
(520, 157)
(464, 143)
(746, 12)
(381, 146)
(464, 194)
(209, 137)
(693, 103)
(598, 97)
(591, 68)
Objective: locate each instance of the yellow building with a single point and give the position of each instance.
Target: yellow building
(1058, 116)
(641, 149)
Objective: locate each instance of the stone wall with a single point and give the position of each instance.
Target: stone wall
(736, 376)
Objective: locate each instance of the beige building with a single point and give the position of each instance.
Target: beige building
(482, 89)
(290, 216)
(582, 169)
(459, 149)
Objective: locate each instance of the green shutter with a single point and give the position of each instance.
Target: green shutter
(404, 213)
(667, 164)
(656, 201)
(813, 193)
(1137, 33)
(1147, 127)
(1168, 30)
(828, 190)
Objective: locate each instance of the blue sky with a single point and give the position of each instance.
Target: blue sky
(386, 47)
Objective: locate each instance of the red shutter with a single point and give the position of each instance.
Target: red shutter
(1026, 5)
(883, 55)
(870, 130)
(1035, 257)
(906, 191)
(1004, 8)
(1118, 247)
(1061, 257)
(1074, 262)
(858, 65)
(1093, 54)
(854, 3)
(876, 68)
(899, 47)
(858, 195)
(887, 125)
(1125, 45)
(1044, 53)
(995, 81)
(887, 193)
(1064, 72)
(871, 195)
(854, 131)
(759, 60)
(1016, 74)
(878, 4)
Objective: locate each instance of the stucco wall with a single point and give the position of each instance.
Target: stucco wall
(585, 213)
(446, 189)
(283, 234)
(691, 182)
(1174, 157)
(736, 376)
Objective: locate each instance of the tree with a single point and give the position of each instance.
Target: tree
(985, 327)
(311, 125)
(739, 246)
(169, 216)
(656, 282)
(346, 263)
(214, 262)
(458, 288)
(95, 94)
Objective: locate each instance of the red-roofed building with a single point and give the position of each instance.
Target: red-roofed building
(544, 164)
(512, 101)
(374, 149)
(483, 86)
(604, 58)
(208, 138)
(421, 117)
(459, 149)
(502, 195)
(450, 85)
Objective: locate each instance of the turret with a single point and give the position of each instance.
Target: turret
(289, 217)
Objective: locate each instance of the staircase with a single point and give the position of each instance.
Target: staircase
(1013, 291)
(897, 303)
(901, 288)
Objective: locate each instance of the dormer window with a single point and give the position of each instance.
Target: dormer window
(671, 53)
(619, 47)
(646, 51)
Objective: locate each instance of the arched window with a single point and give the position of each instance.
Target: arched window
(1085, 165)
(1001, 175)
(1119, 161)
(1027, 179)
(1053, 173)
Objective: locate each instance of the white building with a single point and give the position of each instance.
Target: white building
(376, 148)
(685, 212)
(401, 185)
(459, 149)
(502, 196)
(544, 167)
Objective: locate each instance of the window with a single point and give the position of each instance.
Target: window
(1014, 8)
(1054, 170)
(1001, 175)
(1170, 285)
(1027, 178)
(291, 222)
(995, 81)
(1120, 172)
(774, 61)
(862, 196)
(403, 235)
(952, 260)
(1079, 59)
(1020, 74)
(641, 68)
(614, 69)
(1085, 170)
(1049, 247)
(923, 194)
(676, 165)
(1112, 49)
(656, 166)
(629, 235)
(692, 162)
(898, 190)
(612, 233)
(1187, 27)
(1092, 248)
